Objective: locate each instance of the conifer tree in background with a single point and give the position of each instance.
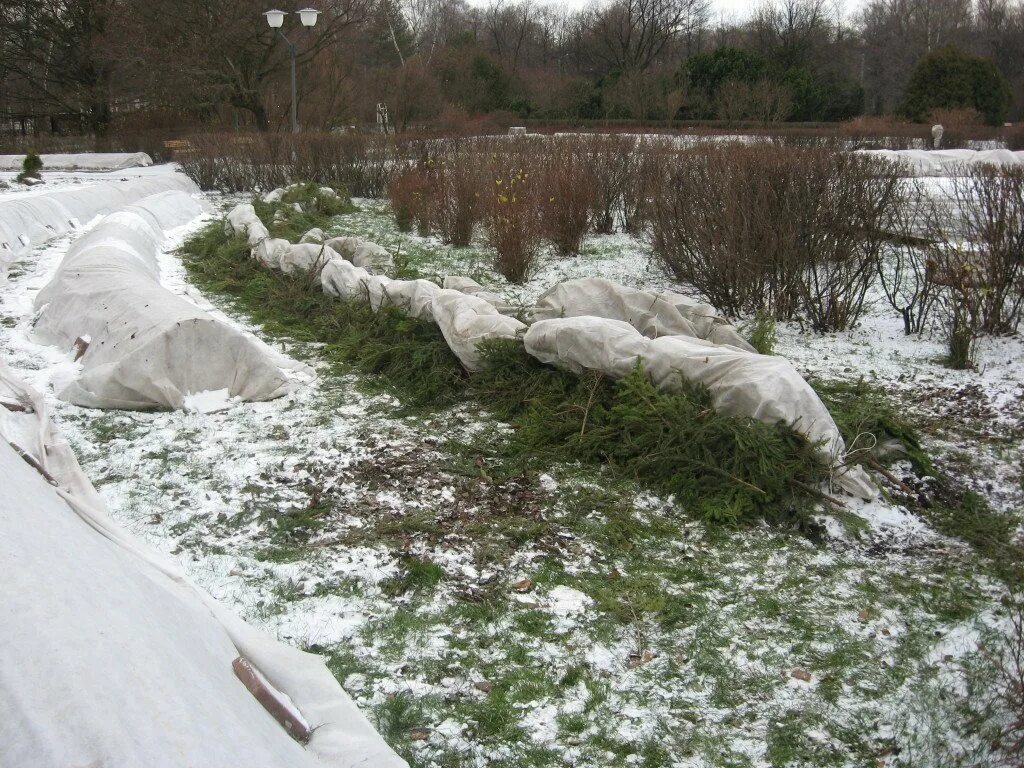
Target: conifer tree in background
(947, 78)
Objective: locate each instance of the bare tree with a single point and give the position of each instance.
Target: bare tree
(432, 22)
(199, 53)
(509, 25)
(792, 28)
(55, 58)
(630, 35)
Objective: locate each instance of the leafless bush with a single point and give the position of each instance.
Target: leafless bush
(232, 162)
(903, 266)
(786, 230)
(457, 183)
(708, 228)
(642, 187)
(878, 132)
(613, 162)
(408, 195)
(977, 251)
(567, 182)
(512, 215)
(845, 205)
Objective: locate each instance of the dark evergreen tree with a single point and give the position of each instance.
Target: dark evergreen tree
(948, 78)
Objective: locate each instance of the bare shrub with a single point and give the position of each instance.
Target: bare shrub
(567, 181)
(512, 215)
(977, 250)
(785, 230)
(903, 266)
(692, 233)
(613, 164)
(407, 193)
(878, 132)
(455, 189)
(222, 161)
(721, 222)
(845, 205)
(958, 126)
(233, 162)
(641, 188)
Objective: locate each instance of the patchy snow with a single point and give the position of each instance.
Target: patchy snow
(565, 601)
(306, 513)
(208, 401)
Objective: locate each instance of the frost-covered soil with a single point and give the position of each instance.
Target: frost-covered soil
(492, 618)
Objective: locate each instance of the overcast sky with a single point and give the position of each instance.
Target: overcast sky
(742, 8)
(738, 9)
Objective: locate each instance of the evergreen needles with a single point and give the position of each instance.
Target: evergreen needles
(725, 468)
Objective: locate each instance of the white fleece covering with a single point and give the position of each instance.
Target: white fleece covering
(29, 220)
(653, 315)
(148, 348)
(741, 383)
(466, 321)
(471, 286)
(112, 657)
(305, 257)
(945, 162)
(82, 161)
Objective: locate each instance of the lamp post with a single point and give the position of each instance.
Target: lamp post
(275, 19)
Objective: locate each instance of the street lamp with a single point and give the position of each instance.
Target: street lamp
(275, 20)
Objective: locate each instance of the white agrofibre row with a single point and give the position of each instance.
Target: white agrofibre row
(141, 346)
(946, 162)
(113, 657)
(82, 161)
(28, 220)
(589, 323)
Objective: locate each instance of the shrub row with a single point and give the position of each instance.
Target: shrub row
(729, 469)
(233, 162)
(779, 229)
(788, 231)
(725, 469)
(805, 232)
(526, 191)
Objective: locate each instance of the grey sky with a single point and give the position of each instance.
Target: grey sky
(738, 9)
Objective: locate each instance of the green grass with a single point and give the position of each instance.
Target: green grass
(762, 333)
(726, 469)
(870, 423)
(729, 469)
(317, 210)
(417, 575)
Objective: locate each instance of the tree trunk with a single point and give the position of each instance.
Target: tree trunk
(252, 104)
(259, 113)
(99, 116)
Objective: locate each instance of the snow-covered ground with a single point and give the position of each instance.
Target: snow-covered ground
(987, 400)
(71, 179)
(563, 618)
